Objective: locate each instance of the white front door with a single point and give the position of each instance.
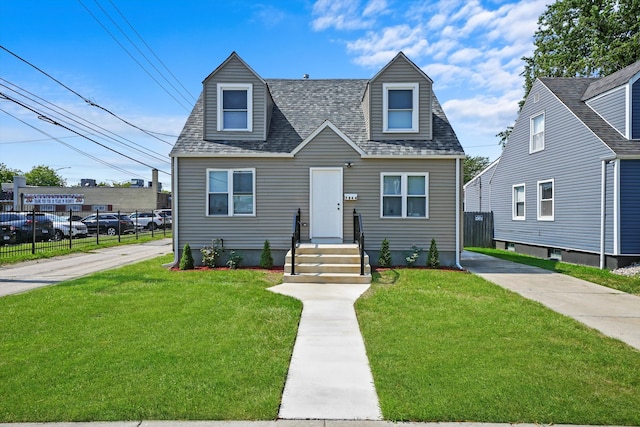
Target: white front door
(326, 205)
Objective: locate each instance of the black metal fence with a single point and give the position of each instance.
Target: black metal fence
(478, 229)
(54, 231)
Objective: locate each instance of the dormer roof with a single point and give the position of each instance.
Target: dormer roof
(233, 55)
(611, 81)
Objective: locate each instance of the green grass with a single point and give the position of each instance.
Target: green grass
(22, 252)
(142, 342)
(595, 275)
(450, 346)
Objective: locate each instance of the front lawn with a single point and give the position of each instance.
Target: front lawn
(450, 346)
(591, 274)
(142, 342)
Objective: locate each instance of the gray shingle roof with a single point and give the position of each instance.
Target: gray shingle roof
(300, 107)
(611, 81)
(570, 92)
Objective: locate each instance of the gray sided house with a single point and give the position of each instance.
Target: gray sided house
(254, 151)
(568, 182)
(477, 192)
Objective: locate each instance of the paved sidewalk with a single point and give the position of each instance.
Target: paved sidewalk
(329, 375)
(614, 313)
(25, 276)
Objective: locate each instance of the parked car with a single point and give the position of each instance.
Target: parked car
(165, 214)
(148, 220)
(8, 234)
(63, 227)
(109, 223)
(23, 225)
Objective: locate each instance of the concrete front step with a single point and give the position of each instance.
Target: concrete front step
(302, 267)
(327, 263)
(327, 278)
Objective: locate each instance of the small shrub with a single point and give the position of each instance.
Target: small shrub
(186, 261)
(211, 254)
(384, 260)
(266, 260)
(433, 257)
(235, 258)
(412, 256)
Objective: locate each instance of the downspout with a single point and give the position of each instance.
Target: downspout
(174, 209)
(458, 214)
(603, 191)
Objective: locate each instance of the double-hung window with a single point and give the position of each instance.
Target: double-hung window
(537, 133)
(518, 197)
(231, 192)
(400, 107)
(545, 200)
(235, 105)
(404, 195)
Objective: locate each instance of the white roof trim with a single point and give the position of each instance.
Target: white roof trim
(485, 170)
(334, 128)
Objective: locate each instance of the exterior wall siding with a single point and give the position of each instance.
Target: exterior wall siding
(572, 158)
(366, 102)
(235, 71)
(611, 107)
(282, 186)
(477, 192)
(630, 207)
(400, 71)
(635, 110)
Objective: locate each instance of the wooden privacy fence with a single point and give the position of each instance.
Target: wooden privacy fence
(478, 229)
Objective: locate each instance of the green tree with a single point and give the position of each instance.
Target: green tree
(44, 176)
(473, 165)
(384, 260)
(7, 174)
(186, 260)
(584, 38)
(266, 259)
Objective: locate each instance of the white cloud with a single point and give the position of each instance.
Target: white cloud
(376, 49)
(339, 14)
(375, 7)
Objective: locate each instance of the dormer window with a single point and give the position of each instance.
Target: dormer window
(400, 104)
(235, 105)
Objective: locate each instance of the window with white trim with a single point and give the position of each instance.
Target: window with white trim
(545, 200)
(404, 195)
(400, 107)
(235, 107)
(518, 197)
(231, 192)
(537, 133)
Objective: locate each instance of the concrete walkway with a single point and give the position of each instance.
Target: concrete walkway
(329, 375)
(22, 277)
(614, 313)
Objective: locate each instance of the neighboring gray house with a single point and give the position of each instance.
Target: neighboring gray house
(477, 192)
(568, 182)
(254, 151)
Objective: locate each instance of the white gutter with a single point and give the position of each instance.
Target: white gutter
(174, 208)
(603, 190)
(458, 214)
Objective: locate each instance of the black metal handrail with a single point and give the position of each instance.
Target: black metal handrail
(358, 236)
(295, 239)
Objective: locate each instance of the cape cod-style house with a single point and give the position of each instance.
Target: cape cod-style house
(567, 185)
(318, 160)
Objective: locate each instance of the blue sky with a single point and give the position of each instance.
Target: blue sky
(472, 50)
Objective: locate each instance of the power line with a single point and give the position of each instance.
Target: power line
(140, 52)
(153, 156)
(34, 140)
(53, 122)
(131, 56)
(51, 137)
(151, 50)
(88, 101)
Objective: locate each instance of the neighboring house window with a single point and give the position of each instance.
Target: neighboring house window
(404, 195)
(231, 192)
(400, 107)
(518, 212)
(235, 105)
(537, 133)
(545, 200)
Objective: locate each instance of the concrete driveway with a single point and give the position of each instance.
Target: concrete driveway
(29, 275)
(614, 313)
